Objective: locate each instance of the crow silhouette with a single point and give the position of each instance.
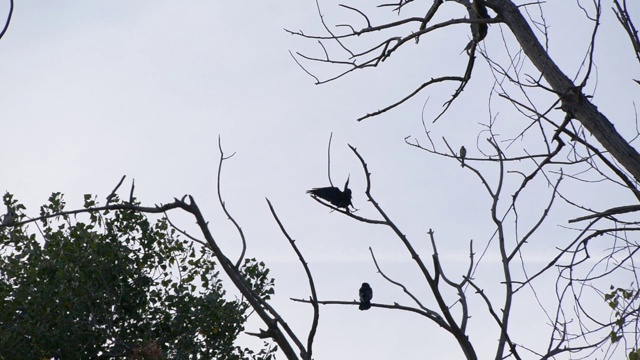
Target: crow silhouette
(477, 11)
(338, 198)
(481, 13)
(366, 294)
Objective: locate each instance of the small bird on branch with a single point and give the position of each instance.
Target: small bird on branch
(481, 13)
(463, 154)
(366, 294)
(477, 11)
(338, 198)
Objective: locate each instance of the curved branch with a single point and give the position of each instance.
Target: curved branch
(398, 284)
(622, 14)
(348, 213)
(496, 318)
(257, 303)
(608, 213)
(224, 207)
(6, 24)
(432, 315)
(314, 296)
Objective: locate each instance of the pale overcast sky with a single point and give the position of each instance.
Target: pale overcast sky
(92, 91)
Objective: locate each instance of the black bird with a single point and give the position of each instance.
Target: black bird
(463, 154)
(366, 294)
(481, 13)
(338, 198)
(477, 11)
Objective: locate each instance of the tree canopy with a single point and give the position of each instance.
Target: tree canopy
(115, 285)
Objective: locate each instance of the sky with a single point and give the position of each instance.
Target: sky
(92, 91)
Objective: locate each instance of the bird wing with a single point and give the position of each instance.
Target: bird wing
(330, 194)
(335, 196)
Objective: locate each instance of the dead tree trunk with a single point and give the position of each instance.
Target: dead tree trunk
(574, 102)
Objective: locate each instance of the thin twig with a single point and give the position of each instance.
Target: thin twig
(224, 206)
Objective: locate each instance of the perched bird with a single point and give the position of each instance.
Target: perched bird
(338, 198)
(481, 13)
(463, 154)
(478, 10)
(366, 294)
(10, 217)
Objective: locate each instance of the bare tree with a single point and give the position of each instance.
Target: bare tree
(569, 94)
(601, 245)
(597, 248)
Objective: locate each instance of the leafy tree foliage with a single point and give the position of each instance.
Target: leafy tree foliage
(117, 285)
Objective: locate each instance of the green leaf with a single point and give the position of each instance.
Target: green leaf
(614, 337)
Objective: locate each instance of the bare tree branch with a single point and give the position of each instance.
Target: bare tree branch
(312, 287)
(8, 21)
(224, 206)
